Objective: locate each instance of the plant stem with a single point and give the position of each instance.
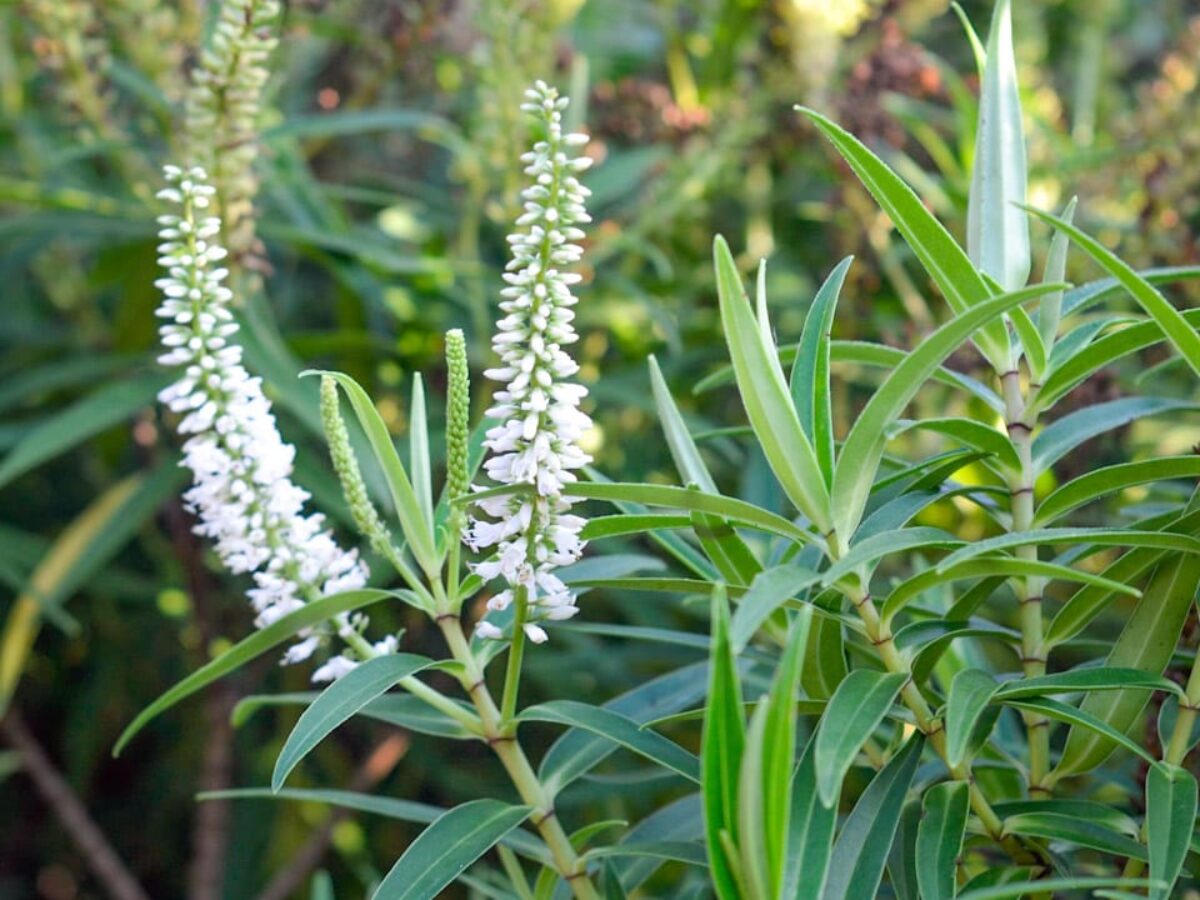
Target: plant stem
(880, 635)
(516, 654)
(1185, 719)
(501, 737)
(1020, 420)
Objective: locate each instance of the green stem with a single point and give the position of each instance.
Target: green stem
(516, 654)
(501, 736)
(1185, 719)
(1020, 422)
(879, 633)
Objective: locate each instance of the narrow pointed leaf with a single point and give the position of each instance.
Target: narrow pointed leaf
(418, 451)
(779, 752)
(863, 447)
(810, 372)
(443, 851)
(619, 729)
(255, 645)
(970, 693)
(1101, 482)
(1146, 643)
(810, 833)
(722, 744)
(1170, 320)
(861, 851)
(682, 498)
(413, 521)
(998, 229)
(1059, 438)
(1074, 830)
(765, 396)
(1097, 537)
(1170, 820)
(854, 712)
(1078, 718)
(949, 267)
(683, 448)
(940, 838)
(1050, 310)
(769, 590)
(341, 701)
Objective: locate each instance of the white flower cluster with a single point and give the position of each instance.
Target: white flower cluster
(537, 444)
(242, 490)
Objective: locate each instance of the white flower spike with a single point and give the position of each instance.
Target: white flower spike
(242, 489)
(537, 443)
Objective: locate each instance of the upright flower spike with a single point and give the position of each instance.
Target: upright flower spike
(536, 446)
(222, 111)
(242, 490)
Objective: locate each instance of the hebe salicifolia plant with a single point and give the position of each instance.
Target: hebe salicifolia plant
(929, 715)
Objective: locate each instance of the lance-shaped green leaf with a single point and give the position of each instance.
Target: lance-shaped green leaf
(255, 645)
(863, 447)
(970, 693)
(418, 451)
(765, 396)
(940, 838)
(443, 851)
(854, 712)
(810, 833)
(974, 435)
(1097, 537)
(997, 229)
(722, 744)
(1086, 678)
(1013, 890)
(1075, 362)
(619, 729)
(779, 753)
(769, 590)
(1064, 435)
(949, 267)
(1089, 601)
(413, 521)
(1169, 319)
(1050, 310)
(341, 701)
(810, 372)
(1170, 820)
(528, 845)
(1101, 482)
(861, 851)
(902, 859)
(751, 845)
(1074, 830)
(1076, 717)
(682, 498)
(905, 592)
(1146, 643)
(683, 448)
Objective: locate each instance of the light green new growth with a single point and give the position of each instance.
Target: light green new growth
(346, 465)
(458, 406)
(222, 116)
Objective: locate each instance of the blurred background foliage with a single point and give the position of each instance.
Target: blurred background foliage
(389, 175)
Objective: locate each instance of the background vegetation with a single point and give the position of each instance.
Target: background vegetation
(388, 182)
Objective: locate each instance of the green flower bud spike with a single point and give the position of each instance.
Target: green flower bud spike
(345, 464)
(458, 402)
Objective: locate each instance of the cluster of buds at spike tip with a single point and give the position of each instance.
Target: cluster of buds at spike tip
(222, 111)
(531, 531)
(242, 491)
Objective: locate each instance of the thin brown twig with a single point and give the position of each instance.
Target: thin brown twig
(119, 883)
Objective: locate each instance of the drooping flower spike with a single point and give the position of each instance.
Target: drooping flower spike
(537, 443)
(242, 491)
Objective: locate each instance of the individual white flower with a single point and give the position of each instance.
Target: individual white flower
(242, 491)
(537, 443)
